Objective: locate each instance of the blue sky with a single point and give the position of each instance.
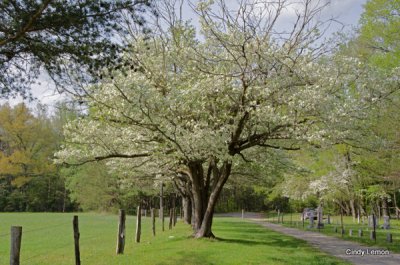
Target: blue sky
(347, 12)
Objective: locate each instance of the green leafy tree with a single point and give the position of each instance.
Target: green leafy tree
(92, 187)
(28, 178)
(379, 40)
(30, 143)
(379, 32)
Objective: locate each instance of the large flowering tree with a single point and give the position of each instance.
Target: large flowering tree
(194, 107)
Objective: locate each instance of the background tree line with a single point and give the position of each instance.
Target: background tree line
(30, 181)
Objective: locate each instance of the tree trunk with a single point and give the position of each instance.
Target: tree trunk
(385, 211)
(162, 200)
(353, 209)
(363, 212)
(347, 208)
(196, 170)
(341, 206)
(187, 210)
(64, 198)
(193, 210)
(202, 191)
(183, 186)
(395, 205)
(378, 206)
(361, 208)
(220, 179)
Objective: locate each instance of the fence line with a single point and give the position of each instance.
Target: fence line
(45, 227)
(386, 236)
(64, 245)
(47, 251)
(37, 229)
(67, 245)
(82, 239)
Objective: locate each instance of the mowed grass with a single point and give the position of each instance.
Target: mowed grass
(348, 224)
(48, 239)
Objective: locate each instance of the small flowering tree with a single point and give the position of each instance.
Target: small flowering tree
(194, 107)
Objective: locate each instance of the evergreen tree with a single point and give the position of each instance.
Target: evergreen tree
(66, 39)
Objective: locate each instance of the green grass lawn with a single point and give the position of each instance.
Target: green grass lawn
(48, 239)
(348, 224)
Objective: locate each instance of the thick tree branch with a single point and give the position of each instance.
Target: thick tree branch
(105, 157)
(28, 25)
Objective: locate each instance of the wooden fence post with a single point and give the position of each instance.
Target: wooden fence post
(162, 202)
(75, 224)
(16, 236)
(389, 238)
(173, 209)
(372, 235)
(341, 222)
(170, 218)
(242, 213)
(374, 224)
(174, 215)
(138, 224)
(121, 232)
(153, 221)
(162, 220)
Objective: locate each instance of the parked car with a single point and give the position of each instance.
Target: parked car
(308, 212)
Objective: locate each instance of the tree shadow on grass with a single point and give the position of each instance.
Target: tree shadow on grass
(247, 240)
(188, 258)
(269, 241)
(251, 234)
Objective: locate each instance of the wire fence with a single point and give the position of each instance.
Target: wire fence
(351, 226)
(47, 227)
(39, 240)
(49, 241)
(55, 248)
(4, 235)
(43, 254)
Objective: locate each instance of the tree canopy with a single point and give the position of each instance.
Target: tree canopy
(379, 32)
(68, 40)
(29, 180)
